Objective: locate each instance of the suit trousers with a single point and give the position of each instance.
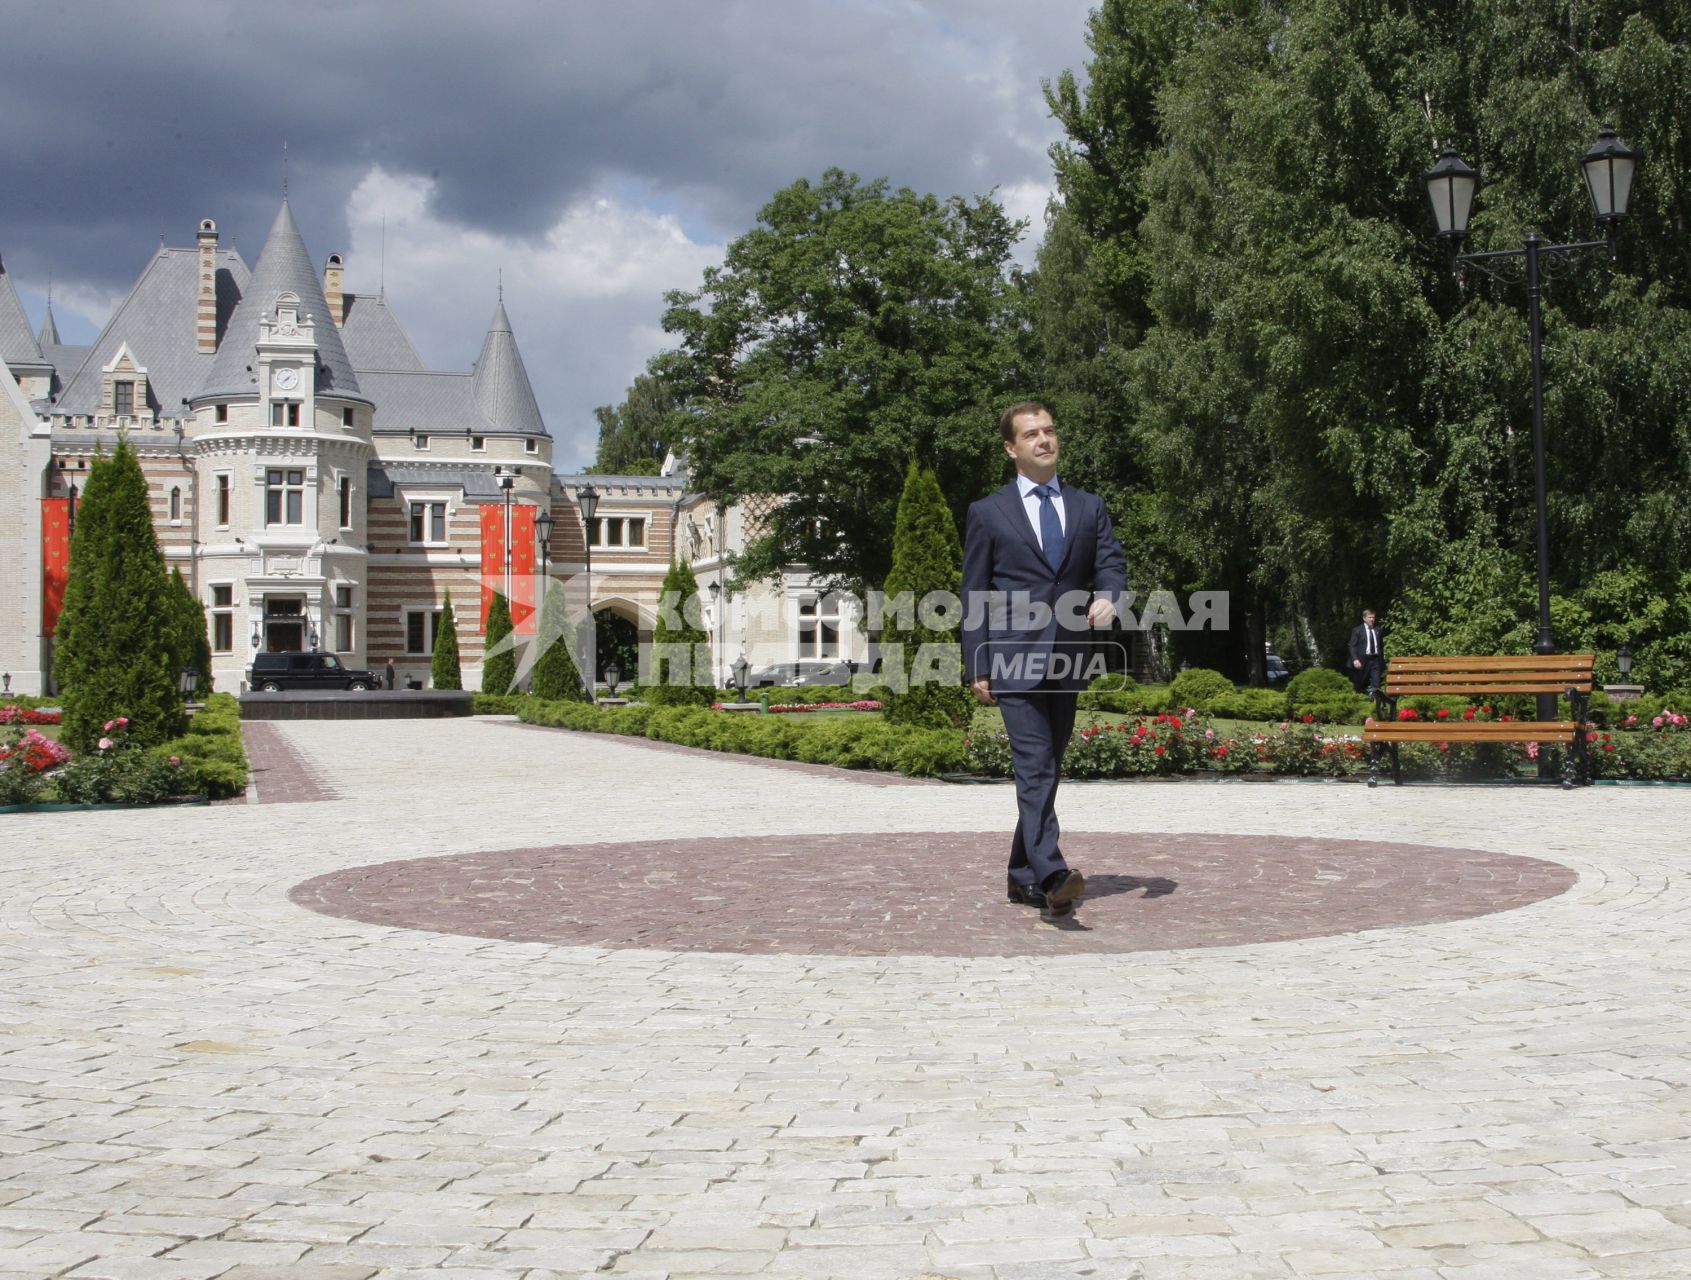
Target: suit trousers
(1039, 723)
(1371, 675)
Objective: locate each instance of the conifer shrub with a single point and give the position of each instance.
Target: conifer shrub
(119, 643)
(499, 670)
(444, 672)
(555, 675)
(927, 557)
(673, 683)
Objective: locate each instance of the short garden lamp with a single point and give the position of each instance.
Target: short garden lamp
(186, 682)
(1623, 660)
(742, 673)
(613, 676)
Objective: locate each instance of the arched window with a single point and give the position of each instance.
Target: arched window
(176, 502)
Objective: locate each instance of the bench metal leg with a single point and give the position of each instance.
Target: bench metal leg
(1397, 768)
(1373, 764)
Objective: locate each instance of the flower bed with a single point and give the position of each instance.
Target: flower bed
(13, 713)
(209, 760)
(865, 704)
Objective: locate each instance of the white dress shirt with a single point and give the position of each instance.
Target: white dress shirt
(1031, 504)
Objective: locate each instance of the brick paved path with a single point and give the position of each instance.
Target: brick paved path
(201, 1078)
(931, 893)
(280, 774)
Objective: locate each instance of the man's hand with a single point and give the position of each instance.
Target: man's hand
(982, 685)
(1357, 663)
(1102, 613)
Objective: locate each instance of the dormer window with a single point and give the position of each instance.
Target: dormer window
(123, 398)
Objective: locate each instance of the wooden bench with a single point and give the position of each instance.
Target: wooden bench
(1564, 674)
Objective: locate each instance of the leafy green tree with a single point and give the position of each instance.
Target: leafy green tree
(927, 558)
(444, 671)
(672, 682)
(119, 644)
(854, 326)
(193, 644)
(1261, 351)
(556, 676)
(499, 670)
(636, 436)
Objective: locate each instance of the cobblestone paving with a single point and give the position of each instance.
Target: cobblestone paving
(200, 1078)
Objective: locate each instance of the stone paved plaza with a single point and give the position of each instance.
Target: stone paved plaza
(790, 1028)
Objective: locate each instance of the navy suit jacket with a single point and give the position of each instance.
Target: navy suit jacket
(1003, 568)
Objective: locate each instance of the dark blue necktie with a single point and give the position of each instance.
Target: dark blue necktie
(1050, 527)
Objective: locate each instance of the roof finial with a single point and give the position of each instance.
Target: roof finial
(501, 284)
(284, 168)
(382, 275)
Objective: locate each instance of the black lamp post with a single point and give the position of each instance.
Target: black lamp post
(1609, 168)
(613, 675)
(587, 500)
(1623, 660)
(186, 682)
(543, 527)
(742, 675)
(507, 482)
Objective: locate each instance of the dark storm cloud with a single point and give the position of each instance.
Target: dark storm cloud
(123, 120)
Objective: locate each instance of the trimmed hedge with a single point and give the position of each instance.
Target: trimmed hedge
(214, 760)
(854, 743)
(1196, 686)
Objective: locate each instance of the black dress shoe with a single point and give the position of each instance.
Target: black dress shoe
(1063, 891)
(1025, 895)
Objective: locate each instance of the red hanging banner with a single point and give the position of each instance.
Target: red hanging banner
(55, 560)
(523, 561)
(492, 556)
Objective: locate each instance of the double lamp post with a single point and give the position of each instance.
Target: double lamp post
(1609, 168)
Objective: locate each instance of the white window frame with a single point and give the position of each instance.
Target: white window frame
(286, 489)
(814, 649)
(175, 501)
(478, 444)
(343, 498)
(420, 441)
(432, 612)
(531, 445)
(221, 611)
(343, 618)
(599, 531)
(223, 497)
(428, 500)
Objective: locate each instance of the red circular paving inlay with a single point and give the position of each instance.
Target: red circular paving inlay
(931, 893)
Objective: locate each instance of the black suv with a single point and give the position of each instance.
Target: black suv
(273, 672)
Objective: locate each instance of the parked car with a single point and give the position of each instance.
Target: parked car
(274, 672)
(1275, 670)
(803, 673)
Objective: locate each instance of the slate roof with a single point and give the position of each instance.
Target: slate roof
(18, 346)
(49, 335)
(373, 337)
(159, 322)
(383, 476)
(502, 388)
(283, 266)
(427, 403)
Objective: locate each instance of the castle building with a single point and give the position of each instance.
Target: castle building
(319, 488)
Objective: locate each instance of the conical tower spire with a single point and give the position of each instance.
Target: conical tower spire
(284, 266)
(49, 335)
(503, 393)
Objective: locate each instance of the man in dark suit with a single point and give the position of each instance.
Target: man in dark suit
(1367, 659)
(1041, 568)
